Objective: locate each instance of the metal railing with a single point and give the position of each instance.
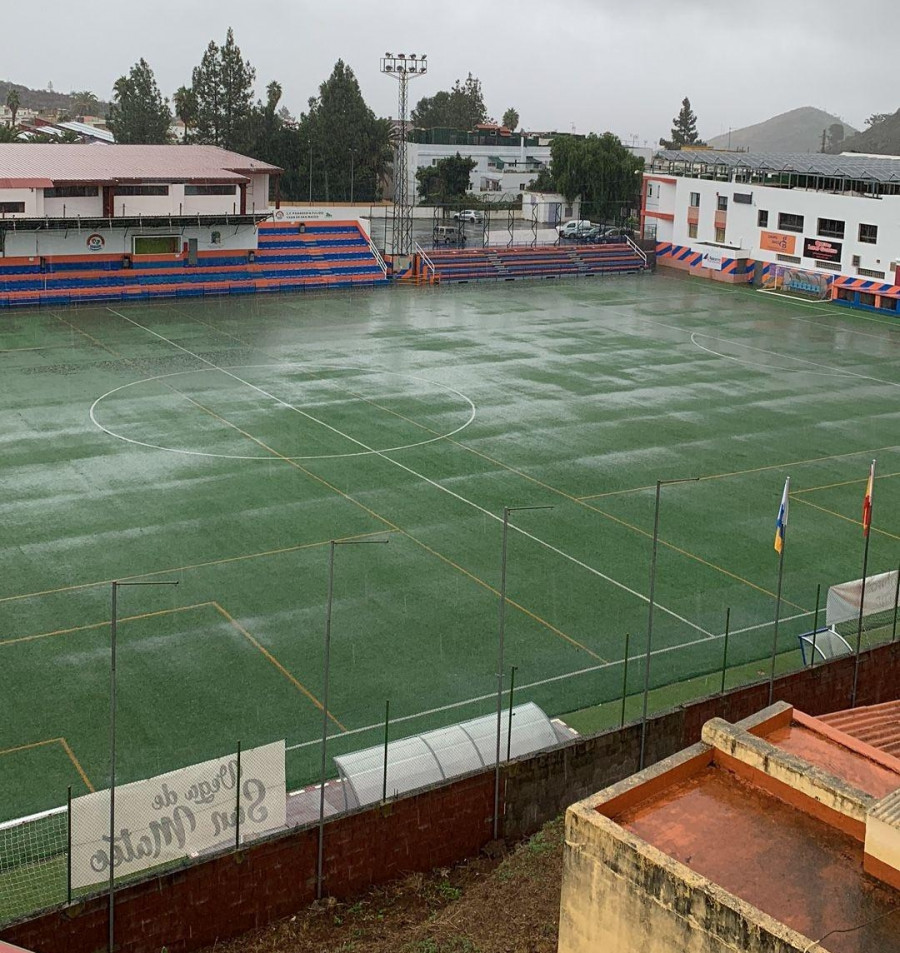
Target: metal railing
(636, 249)
(426, 261)
(376, 253)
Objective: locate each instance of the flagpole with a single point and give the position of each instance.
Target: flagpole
(867, 522)
(783, 516)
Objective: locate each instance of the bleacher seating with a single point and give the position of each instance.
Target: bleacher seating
(323, 255)
(542, 261)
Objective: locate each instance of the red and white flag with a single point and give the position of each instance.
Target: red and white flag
(867, 501)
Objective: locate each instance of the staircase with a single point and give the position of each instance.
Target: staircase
(332, 255)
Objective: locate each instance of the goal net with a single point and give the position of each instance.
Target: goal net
(842, 607)
(32, 863)
(808, 284)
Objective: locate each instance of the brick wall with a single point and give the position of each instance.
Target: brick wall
(230, 894)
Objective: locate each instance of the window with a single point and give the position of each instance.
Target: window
(142, 190)
(155, 244)
(650, 191)
(791, 259)
(742, 198)
(720, 235)
(692, 229)
(788, 222)
(722, 203)
(831, 228)
(868, 234)
(11, 207)
(209, 190)
(871, 273)
(831, 265)
(695, 200)
(72, 192)
(762, 218)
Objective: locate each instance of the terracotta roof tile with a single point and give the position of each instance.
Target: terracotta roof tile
(876, 725)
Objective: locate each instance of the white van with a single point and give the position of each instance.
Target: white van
(573, 228)
(449, 235)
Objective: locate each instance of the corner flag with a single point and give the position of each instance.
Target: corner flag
(782, 518)
(867, 501)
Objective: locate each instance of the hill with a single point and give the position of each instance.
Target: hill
(48, 100)
(799, 130)
(883, 138)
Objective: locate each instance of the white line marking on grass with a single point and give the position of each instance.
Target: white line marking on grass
(420, 476)
(546, 681)
(323, 456)
(746, 363)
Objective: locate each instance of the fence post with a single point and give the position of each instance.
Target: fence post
(237, 806)
(816, 624)
(512, 688)
(387, 720)
(896, 604)
(69, 845)
(725, 650)
(624, 681)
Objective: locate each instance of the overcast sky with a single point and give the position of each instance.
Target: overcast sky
(588, 65)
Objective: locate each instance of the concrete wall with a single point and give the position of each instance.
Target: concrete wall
(232, 893)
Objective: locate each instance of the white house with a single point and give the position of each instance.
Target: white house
(836, 216)
(69, 199)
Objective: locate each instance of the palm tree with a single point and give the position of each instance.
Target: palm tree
(12, 104)
(84, 102)
(185, 103)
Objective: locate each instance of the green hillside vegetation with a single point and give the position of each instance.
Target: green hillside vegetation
(799, 130)
(76, 103)
(881, 138)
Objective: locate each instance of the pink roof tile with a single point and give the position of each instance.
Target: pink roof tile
(44, 163)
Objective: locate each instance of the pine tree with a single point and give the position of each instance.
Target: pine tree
(223, 88)
(684, 127)
(138, 113)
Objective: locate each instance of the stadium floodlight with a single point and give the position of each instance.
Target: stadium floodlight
(325, 713)
(402, 68)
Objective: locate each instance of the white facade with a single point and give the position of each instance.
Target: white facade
(549, 208)
(516, 170)
(858, 235)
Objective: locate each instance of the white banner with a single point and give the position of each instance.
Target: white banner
(178, 814)
(713, 259)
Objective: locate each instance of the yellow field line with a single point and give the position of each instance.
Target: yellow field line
(75, 761)
(830, 486)
(274, 661)
(102, 625)
(187, 568)
(721, 476)
(66, 749)
(849, 519)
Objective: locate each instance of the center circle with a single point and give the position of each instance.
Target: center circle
(232, 372)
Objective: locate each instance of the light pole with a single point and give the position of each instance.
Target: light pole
(651, 605)
(500, 642)
(327, 663)
(113, 627)
(310, 171)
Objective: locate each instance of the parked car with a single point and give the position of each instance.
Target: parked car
(472, 215)
(574, 229)
(448, 235)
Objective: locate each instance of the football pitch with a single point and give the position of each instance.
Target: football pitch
(224, 442)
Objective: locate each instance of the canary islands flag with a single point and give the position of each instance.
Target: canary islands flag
(782, 518)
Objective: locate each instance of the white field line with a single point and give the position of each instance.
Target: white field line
(545, 681)
(419, 476)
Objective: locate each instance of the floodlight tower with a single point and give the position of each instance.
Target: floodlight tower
(403, 68)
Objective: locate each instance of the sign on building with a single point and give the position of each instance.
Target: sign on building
(774, 241)
(822, 249)
(178, 815)
(713, 259)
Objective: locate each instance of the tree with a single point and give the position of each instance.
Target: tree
(350, 147)
(185, 103)
(445, 181)
(511, 119)
(12, 104)
(835, 137)
(223, 89)
(600, 170)
(876, 118)
(462, 107)
(684, 129)
(84, 102)
(138, 112)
